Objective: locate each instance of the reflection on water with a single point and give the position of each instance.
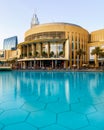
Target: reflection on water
(67, 91)
(67, 86)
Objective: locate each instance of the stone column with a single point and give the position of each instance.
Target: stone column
(21, 65)
(48, 49)
(96, 61)
(64, 49)
(23, 51)
(40, 63)
(52, 63)
(55, 63)
(34, 63)
(27, 50)
(40, 49)
(70, 53)
(74, 49)
(30, 64)
(33, 49)
(24, 65)
(80, 48)
(20, 52)
(65, 64)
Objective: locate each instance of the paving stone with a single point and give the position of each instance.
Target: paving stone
(20, 126)
(90, 128)
(58, 107)
(41, 118)
(48, 99)
(72, 120)
(11, 105)
(1, 126)
(54, 127)
(93, 100)
(96, 119)
(10, 97)
(33, 106)
(30, 98)
(69, 100)
(1, 111)
(13, 116)
(83, 108)
(100, 107)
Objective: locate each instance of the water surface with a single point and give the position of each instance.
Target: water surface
(51, 100)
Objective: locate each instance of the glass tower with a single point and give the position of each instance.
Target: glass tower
(10, 43)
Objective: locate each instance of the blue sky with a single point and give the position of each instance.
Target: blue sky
(15, 15)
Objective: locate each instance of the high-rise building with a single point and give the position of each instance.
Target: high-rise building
(10, 43)
(34, 21)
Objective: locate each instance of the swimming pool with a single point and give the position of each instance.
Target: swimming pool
(51, 100)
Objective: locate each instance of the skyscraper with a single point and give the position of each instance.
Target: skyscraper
(34, 21)
(10, 43)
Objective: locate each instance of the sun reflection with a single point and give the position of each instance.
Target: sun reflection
(67, 91)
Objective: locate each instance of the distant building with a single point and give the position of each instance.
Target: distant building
(34, 21)
(1, 54)
(10, 43)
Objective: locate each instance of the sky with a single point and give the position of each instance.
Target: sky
(16, 15)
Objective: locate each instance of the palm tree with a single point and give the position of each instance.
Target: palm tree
(97, 52)
(30, 54)
(44, 54)
(36, 54)
(61, 53)
(80, 53)
(51, 54)
(24, 55)
(101, 55)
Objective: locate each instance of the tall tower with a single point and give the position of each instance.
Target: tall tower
(34, 20)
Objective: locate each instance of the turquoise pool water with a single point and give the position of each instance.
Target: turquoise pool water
(51, 100)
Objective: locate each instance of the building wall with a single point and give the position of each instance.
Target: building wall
(10, 54)
(92, 46)
(61, 27)
(97, 40)
(9, 58)
(97, 36)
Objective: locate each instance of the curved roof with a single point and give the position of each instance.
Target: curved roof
(71, 24)
(61, 26)
(62, 23)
